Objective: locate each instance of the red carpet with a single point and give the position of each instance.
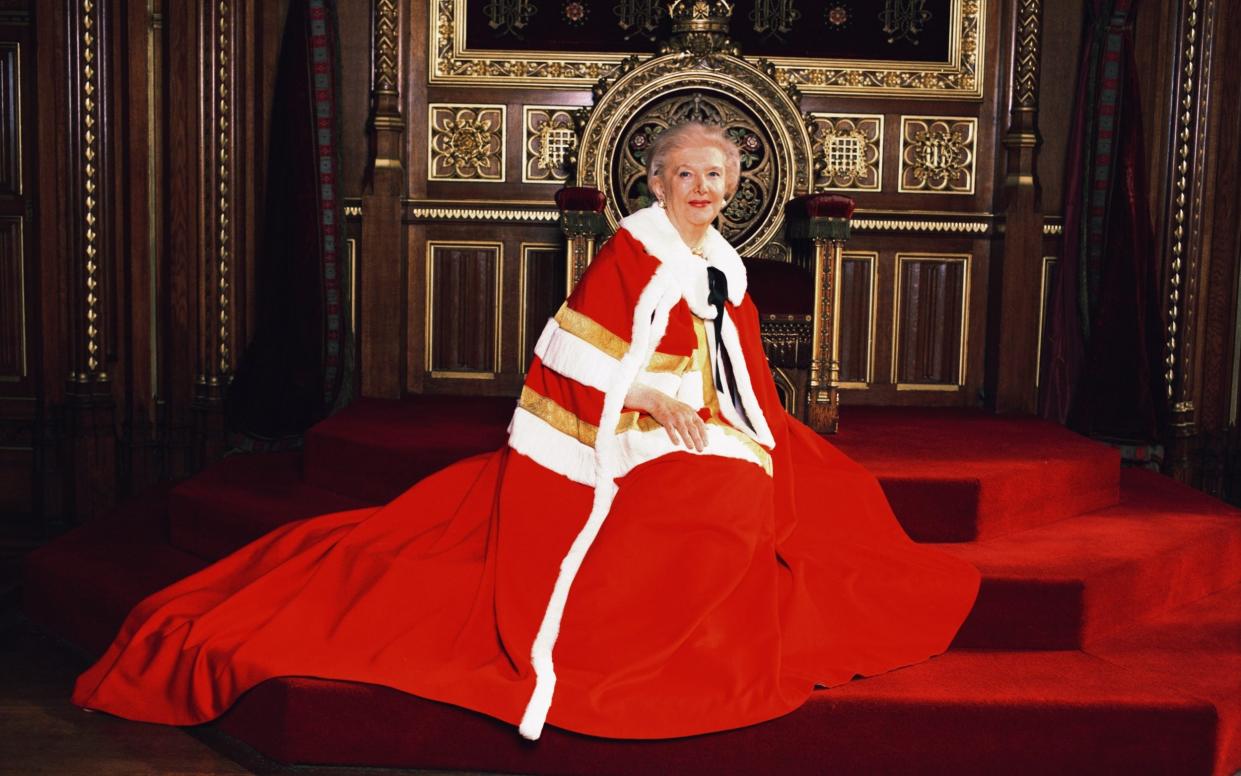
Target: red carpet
(1106, 637)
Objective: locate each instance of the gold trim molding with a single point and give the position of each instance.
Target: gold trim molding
(958, 78)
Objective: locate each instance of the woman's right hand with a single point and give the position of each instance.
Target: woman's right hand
(682, 424)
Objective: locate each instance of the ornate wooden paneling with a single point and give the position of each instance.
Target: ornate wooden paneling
(855, 346)
(12, 299)
(542, 291)
(10, 119)
(464, 308)
(930, 324)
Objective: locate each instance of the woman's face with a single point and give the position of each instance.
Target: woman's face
(691, 184)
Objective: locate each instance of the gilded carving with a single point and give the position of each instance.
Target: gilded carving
(1025, 80)
(387, 18)
(466, 143)
(959, 78)
(550, 139)
(762, 118)
(848, 151)
(1185, 212)
(937, 154)
(88, 97)
(224, 189)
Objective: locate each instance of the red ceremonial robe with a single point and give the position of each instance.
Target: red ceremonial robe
(590, 574)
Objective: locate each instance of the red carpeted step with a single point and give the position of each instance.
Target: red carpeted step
(958, 475)
(962, 713)
(373, 450)
(81, 586)
(1196, 649)
(1063, 585)
(242, 497)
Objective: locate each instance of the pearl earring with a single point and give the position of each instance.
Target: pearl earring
(660, 203)
(723, 203)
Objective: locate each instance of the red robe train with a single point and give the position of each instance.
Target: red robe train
(590, 572)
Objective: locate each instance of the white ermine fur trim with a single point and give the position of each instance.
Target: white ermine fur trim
(650, 320)
(741, 371)
(575, 358)
(664, 382)
(690, 391)
(551, 448)
(651, 227)
(638, 447)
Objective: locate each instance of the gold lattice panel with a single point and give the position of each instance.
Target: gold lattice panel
(848, 151)
(465, 143)
(938, 154)
(550, 139)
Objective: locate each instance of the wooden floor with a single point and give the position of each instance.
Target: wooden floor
(42, 733)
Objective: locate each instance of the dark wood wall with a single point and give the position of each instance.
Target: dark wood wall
(133, 138)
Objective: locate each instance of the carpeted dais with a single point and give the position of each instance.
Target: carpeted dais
(1106, 636)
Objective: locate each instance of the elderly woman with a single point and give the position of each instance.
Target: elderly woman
(659, 551)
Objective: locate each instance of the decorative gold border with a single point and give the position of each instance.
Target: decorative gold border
(523, 349)
(973, 166)
(23, 366)
(431, 176)
(872, 313)
(18, 97)
(959, 78)
(429, 345)
(525, 141)
(1043, 287)
(967, 260)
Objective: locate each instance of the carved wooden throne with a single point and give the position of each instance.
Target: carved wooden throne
(793, 238)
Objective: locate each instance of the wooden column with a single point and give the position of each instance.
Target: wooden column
(1185, 258)
(382, 271)
(1021, 263)
(90, 406)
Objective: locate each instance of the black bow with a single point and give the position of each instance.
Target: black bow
(717, 294)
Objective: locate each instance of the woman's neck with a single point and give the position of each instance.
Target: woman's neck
(693, 236)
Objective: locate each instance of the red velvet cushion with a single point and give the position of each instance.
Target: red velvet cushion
(821, 206)
(779, 288)
(581, 198)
